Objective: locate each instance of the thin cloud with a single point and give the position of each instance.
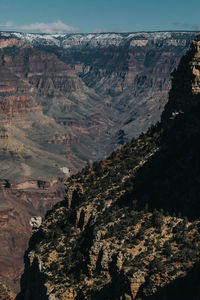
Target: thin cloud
(195, 27)
(101, 30)
(54, 27)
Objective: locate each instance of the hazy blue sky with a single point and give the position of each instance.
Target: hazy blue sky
(99, 15)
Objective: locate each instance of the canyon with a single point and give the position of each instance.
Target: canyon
(65, 102)
(129, 226)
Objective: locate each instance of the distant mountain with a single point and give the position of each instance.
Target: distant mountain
(66, 101)
(105, 40)
(129, 225)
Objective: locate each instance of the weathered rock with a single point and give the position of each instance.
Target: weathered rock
(35, 222)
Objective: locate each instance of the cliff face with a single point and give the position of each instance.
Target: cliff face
(129, 226)
(66, 101)
(185, 90)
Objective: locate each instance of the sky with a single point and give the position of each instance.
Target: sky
(63, 16)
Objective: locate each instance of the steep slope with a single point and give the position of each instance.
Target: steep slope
(129, 226)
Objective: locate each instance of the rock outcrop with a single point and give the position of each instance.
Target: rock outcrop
(5, 293)
(129, 225)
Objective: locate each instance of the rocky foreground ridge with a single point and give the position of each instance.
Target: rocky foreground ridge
(129, 226)
(65, 101)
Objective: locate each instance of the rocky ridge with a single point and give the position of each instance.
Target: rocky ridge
(129, 225)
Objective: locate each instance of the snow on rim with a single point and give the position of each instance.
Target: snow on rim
(92, 39)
